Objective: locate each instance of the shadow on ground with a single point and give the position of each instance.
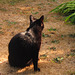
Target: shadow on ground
(6, 69)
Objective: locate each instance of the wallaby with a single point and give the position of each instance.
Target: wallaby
(24, 47)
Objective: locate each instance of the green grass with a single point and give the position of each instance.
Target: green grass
(52, 48)
(57, 60)
(34, 12)
(70, 73)
(52, 29)
(71, 54)
(0, 24)
(0, 27)
(73, 73)
(43, 56)
(45, 35)
(40, 4)
(55, 41)
(10, 2)
(45, 19)
(62, 36)
(10, 22)
(1, 32)
(67, 9)
(14, 2)
(68, 35)
(52, 0)
(48, 3)
(72, 35)
(72, 50)
(3, 9)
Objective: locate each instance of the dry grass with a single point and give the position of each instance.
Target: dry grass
(15, 19)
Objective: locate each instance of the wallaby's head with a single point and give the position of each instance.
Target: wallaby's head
(36, 24)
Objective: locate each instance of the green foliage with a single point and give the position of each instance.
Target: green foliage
(35, 12)
(52, 29)
(45, 19)
(67, 9)
(72, 50)
(3, 9)
(70, 72)
(52, 48)
(43, 56)
(1, 32)
(73, 73)
(11, 2)
(0, 24)
(10, 23)
(57, 60)
(71, 35)
(0, 27)
(45, 35)
(71, 54)
(62, 36)
(52, 0)
(55, 41)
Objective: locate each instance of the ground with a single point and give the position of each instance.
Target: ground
(57, 52)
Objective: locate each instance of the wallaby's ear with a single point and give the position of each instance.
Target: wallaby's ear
(42, 18)
(32, 19)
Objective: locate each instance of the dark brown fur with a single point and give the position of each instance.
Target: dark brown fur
(24, 47)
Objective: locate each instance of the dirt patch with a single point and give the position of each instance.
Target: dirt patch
(56, 40)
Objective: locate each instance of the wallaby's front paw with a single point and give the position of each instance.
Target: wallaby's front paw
(38, 69)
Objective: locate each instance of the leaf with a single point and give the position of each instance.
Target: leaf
(55, 41)
(43, 56)
(10, 22)
(58, 59)
(0, 27)
(62, 36)
(3, 9)
(35, 12)
(69, 17)
(72, 50)
(53, 48)
(72, 35)
(45, 35)
(0, 24)
(56, 9)
(1, 32)
(52, 29)
(67, 9)
(52, 61)
(72, 54)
